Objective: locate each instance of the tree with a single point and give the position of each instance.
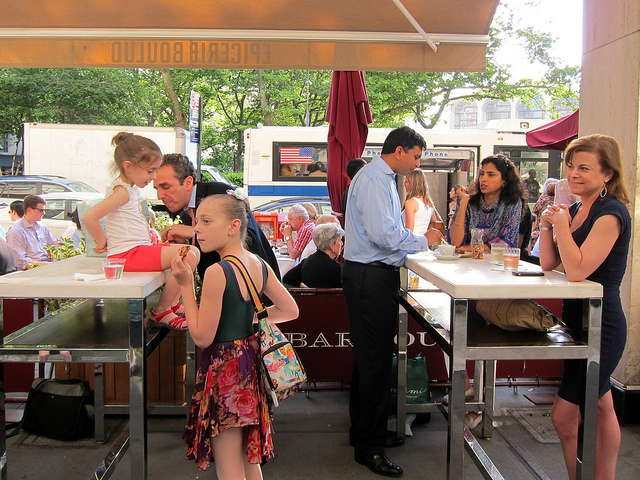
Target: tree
(234, 100)
(90, 96)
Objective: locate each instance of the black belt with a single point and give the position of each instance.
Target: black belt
(383, 265)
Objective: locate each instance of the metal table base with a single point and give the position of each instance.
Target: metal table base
(461, 343)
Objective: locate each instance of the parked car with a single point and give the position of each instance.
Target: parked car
(59, 207)
(321, 204)
(16, 187)
(212, 174)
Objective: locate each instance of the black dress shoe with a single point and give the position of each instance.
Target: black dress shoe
(379, 464)
(393, 440)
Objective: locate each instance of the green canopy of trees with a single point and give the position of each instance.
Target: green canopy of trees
(234, 100)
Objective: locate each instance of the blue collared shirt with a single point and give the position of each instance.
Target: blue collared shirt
(27, 240)
(374, 229)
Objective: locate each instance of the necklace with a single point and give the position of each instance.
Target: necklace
(575, 217)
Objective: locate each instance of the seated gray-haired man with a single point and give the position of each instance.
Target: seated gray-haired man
(298, 220)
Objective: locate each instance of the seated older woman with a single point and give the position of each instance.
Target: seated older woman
(320, 270)
(311, 248)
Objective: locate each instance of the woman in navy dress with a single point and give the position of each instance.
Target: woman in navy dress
(591, 239)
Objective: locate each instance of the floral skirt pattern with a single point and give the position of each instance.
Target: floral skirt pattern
(229, 394)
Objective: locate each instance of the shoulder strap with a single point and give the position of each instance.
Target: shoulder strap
(18, 426)
(258, 306)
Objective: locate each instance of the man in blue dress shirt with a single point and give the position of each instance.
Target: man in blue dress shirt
(28, 236)
(375, 249)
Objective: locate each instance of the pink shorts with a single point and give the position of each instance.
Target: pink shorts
(143, 258)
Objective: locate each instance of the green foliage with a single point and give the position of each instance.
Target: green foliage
(236, 178)
(92, 96)
(163, 220)
(234, 100)
(64, 249)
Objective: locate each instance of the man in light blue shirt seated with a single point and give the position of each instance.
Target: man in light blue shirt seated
(29, 235)
(376, 244)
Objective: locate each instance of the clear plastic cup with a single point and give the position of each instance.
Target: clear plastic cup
(414, 280)
(497, 252)
(113, 267)
(511, 257)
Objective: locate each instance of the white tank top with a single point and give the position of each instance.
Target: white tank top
(126, 226)
(422, 217)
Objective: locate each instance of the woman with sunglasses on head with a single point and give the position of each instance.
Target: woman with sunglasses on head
(591, 238)
(495, 205)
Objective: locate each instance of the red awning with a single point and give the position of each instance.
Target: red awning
(555, 135)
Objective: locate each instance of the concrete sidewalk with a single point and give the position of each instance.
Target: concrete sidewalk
(311, 442)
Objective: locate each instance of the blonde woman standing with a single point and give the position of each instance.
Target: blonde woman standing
(419, 210)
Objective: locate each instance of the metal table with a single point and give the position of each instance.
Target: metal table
(107, 328)
(465, 279)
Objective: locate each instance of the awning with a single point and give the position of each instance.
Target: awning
(555, 135)
(386, 35)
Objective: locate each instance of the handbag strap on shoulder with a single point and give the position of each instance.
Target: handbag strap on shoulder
(258, 306)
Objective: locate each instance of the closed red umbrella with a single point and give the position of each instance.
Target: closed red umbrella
(348, 115)
(555, 135)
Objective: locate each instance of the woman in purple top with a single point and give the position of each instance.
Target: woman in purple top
(495, 205)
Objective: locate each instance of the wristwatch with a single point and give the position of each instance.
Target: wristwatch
(286, 239)
(546, 229)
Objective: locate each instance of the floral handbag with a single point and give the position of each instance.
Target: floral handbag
(281, 368)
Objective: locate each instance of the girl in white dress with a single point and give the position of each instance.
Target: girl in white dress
(127, 232)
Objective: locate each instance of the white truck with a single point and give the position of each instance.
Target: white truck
(84, 152)
(278, 160)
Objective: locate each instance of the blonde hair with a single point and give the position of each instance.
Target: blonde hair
(233, 208)
(326, 218)
(418, 186)
(610, 159)
(311, 211)
(138, 150)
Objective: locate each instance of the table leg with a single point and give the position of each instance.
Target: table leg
(190, 373)
(401, 399)
(587, 448)
(98, 401)
(455, 447)
(3, 426)
(138, 390)
(487, 395)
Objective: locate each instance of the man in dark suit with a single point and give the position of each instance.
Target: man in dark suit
(181, 194)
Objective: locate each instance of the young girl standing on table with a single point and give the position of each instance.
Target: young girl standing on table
(230, 417)
(128, 233)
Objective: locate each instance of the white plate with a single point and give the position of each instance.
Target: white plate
(455, 256)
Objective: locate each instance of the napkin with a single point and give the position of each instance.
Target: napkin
(88, 277)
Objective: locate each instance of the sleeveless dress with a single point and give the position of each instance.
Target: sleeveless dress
(422, 217)
(229, 391)
(126, 226)
(614, 324)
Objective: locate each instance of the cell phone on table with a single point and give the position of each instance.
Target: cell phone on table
(527, 273)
